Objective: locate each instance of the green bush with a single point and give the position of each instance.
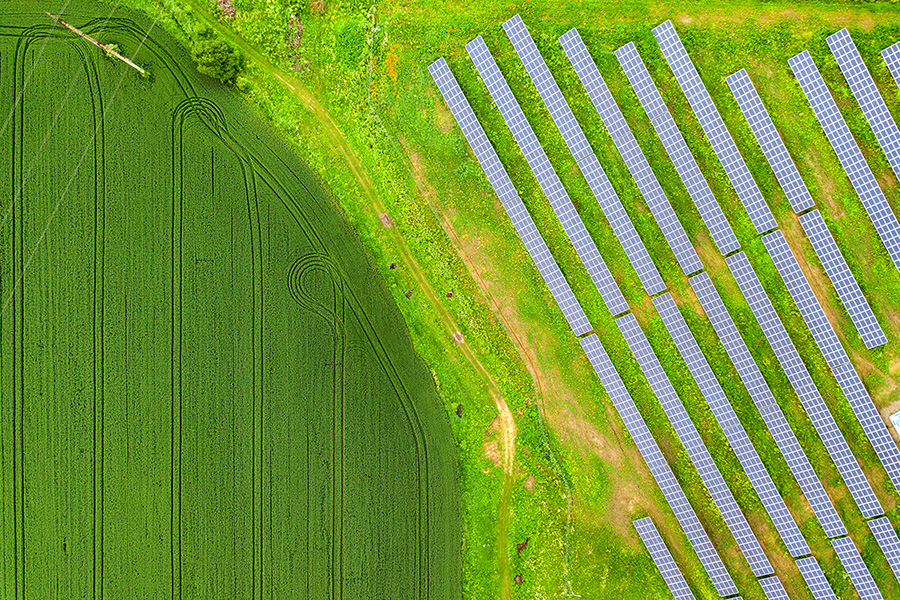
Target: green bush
(218, 59)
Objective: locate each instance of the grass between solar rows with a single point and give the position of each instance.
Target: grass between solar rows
(468, 234)
(205, 389)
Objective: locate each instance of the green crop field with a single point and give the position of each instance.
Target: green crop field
(206, 390)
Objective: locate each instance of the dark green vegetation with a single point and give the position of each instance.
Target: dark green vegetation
(409, 160)
(205, 389)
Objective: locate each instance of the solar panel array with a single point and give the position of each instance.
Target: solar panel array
(503, 186)
(771, 413)
(773, 588)
(870, 419)
(863, 87)
(658, 466)
(546, 176)
(888, 541)
(584, 155)
(815, 579)
(663, 559)
(677, 148)
(891, 56)
(802, 382)
(771, 143)
(693, 443)
(731, 426)
(631, 152)
(714, 127)
(844, 282)
(848, 153)
(856, 568)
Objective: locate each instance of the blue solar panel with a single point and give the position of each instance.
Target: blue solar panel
(731, 426)
(891, 56)
(584, 156)
(870, 419)
(802, 383)
(499, 179)
(632, 154)
(848, 153)
(773, 588)
(546, 176)
(677, 148)
(714, 127)
(663, 559)
(844, 282)
(658, 466)
(888, 542)
(815, 579)
(810, 309)
(693, 443)
(863, 87)
(771, 143)
(771, 413)
(856, 568)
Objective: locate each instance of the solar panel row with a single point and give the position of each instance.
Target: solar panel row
(856, 568)
(815, 579)
(802, 382)
(499, 179)
(632, 154)
(677, 148)
(771, 143)
(546, 176)
(870, 419)
(663, 559)
(771, 413)
(773, 588)
(863, 87)
(848, 153)
(844, 282)
(888, 541)
(658, 466)
(891, 56)
(714, 127)
(693, 443)
(731, 426)
(584, 155)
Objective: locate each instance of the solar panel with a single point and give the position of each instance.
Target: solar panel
(676, 148)
(771, 413)
(888, 541)
(731, 426)
(863, 87)
(658, 466)
(815, 579)
(517, 212)
(848, 153)
(802, 383)
(631, 152)
(590, 167)
(699, 455)
(844, 282)
(810, 309)
(870, 419)
(663, 559)
(714, 127)
(856, 568)
(773, 588)
(771, 143)
(891, 56)
(546, 176)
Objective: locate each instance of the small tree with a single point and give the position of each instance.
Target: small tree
(218, 59)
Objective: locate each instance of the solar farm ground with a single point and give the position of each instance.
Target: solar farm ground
(449, 233)
(206, 390)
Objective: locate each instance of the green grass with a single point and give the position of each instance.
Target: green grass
(610, 484)
(206, 390)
